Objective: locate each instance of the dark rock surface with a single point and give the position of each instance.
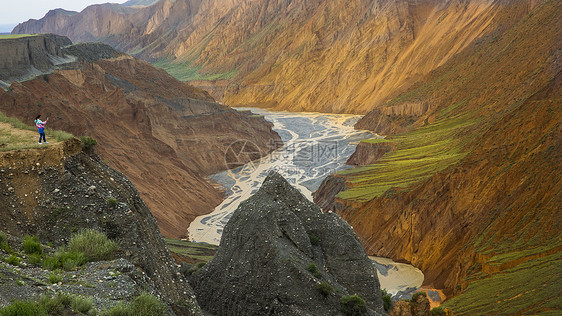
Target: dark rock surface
(55, 191)
(263, 262)
(27, 56)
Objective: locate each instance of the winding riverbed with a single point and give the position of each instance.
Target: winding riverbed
(314, 146)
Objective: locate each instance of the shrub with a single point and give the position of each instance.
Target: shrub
(147, 305)
(81, 304)
(64, 259)
(46, 77)
(325, 288)
(353, 305)
(416, 295)
(54, 277)
(118, 310)
(22, 308)
(31, 245)
(13, 260)
(34, 259)
(94, 244)
(314, 270)
(314, 240)
(111, 202)
(438, 311)
(386, 300)
(53, 305)
(88, 142)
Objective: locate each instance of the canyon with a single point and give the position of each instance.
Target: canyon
(165, 135)
(465, 183)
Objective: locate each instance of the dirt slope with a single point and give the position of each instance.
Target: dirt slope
(165, 135)
(470, 192)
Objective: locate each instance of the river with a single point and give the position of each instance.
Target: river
(314, 146)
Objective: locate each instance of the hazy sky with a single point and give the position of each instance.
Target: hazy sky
(17, 11)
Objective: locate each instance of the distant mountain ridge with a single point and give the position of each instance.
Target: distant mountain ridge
(298, 55)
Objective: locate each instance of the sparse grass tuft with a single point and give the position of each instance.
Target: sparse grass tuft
(147, 305)
(325, 288)
(111, 202)
(353, 305)
(4, 243)
(31, 245)
(314, 240)
(13, 260)
(314, 270)
(386, 300)
(88, 142)
(64, 259)
(438, 311)
(54, 277)
(94, 244)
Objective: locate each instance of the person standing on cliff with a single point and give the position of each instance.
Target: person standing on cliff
(41, 129)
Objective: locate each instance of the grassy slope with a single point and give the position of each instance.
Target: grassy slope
(12, 36)
(488, 119)
(22, 136)
(197, 252)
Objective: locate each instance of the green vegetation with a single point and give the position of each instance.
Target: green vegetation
(60, 304)
(111, 202)
(314, 270)
(13, 260)
(15, 141)
(54, 277)
(4, 243)
(143, 305)
(31, 245)
(86, 245)
(419, 154)
(196, 251)
(64, 259)
(386, 300)
(186, 72)
(353, 305)
(325, 288)
(88, 142)
(418, 294)
(14, 36)
(314, 240)
(94, 244)
(438, 311)
(537, 290)
(375, 140)
(34, 259)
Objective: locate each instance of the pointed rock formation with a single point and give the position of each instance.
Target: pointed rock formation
(280, 255)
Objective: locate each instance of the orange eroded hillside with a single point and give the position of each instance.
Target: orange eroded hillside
(164, 135)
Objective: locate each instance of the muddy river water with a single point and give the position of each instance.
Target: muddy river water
(314, 146)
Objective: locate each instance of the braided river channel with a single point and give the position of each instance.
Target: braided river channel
(314, 146)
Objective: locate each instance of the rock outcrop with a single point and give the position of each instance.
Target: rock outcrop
(419, 307)
(56, 191)
(29, 56)
(165, 135)
(280, 255)
(369, 151)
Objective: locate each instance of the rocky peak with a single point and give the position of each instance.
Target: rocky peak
(280, 255)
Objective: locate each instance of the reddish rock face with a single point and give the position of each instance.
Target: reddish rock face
(295, 55)
(481, 215)
(164, 135)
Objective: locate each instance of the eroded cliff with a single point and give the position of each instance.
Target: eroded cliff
(470, 192)
(300, 55)
(165, 135)
(55, 191)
